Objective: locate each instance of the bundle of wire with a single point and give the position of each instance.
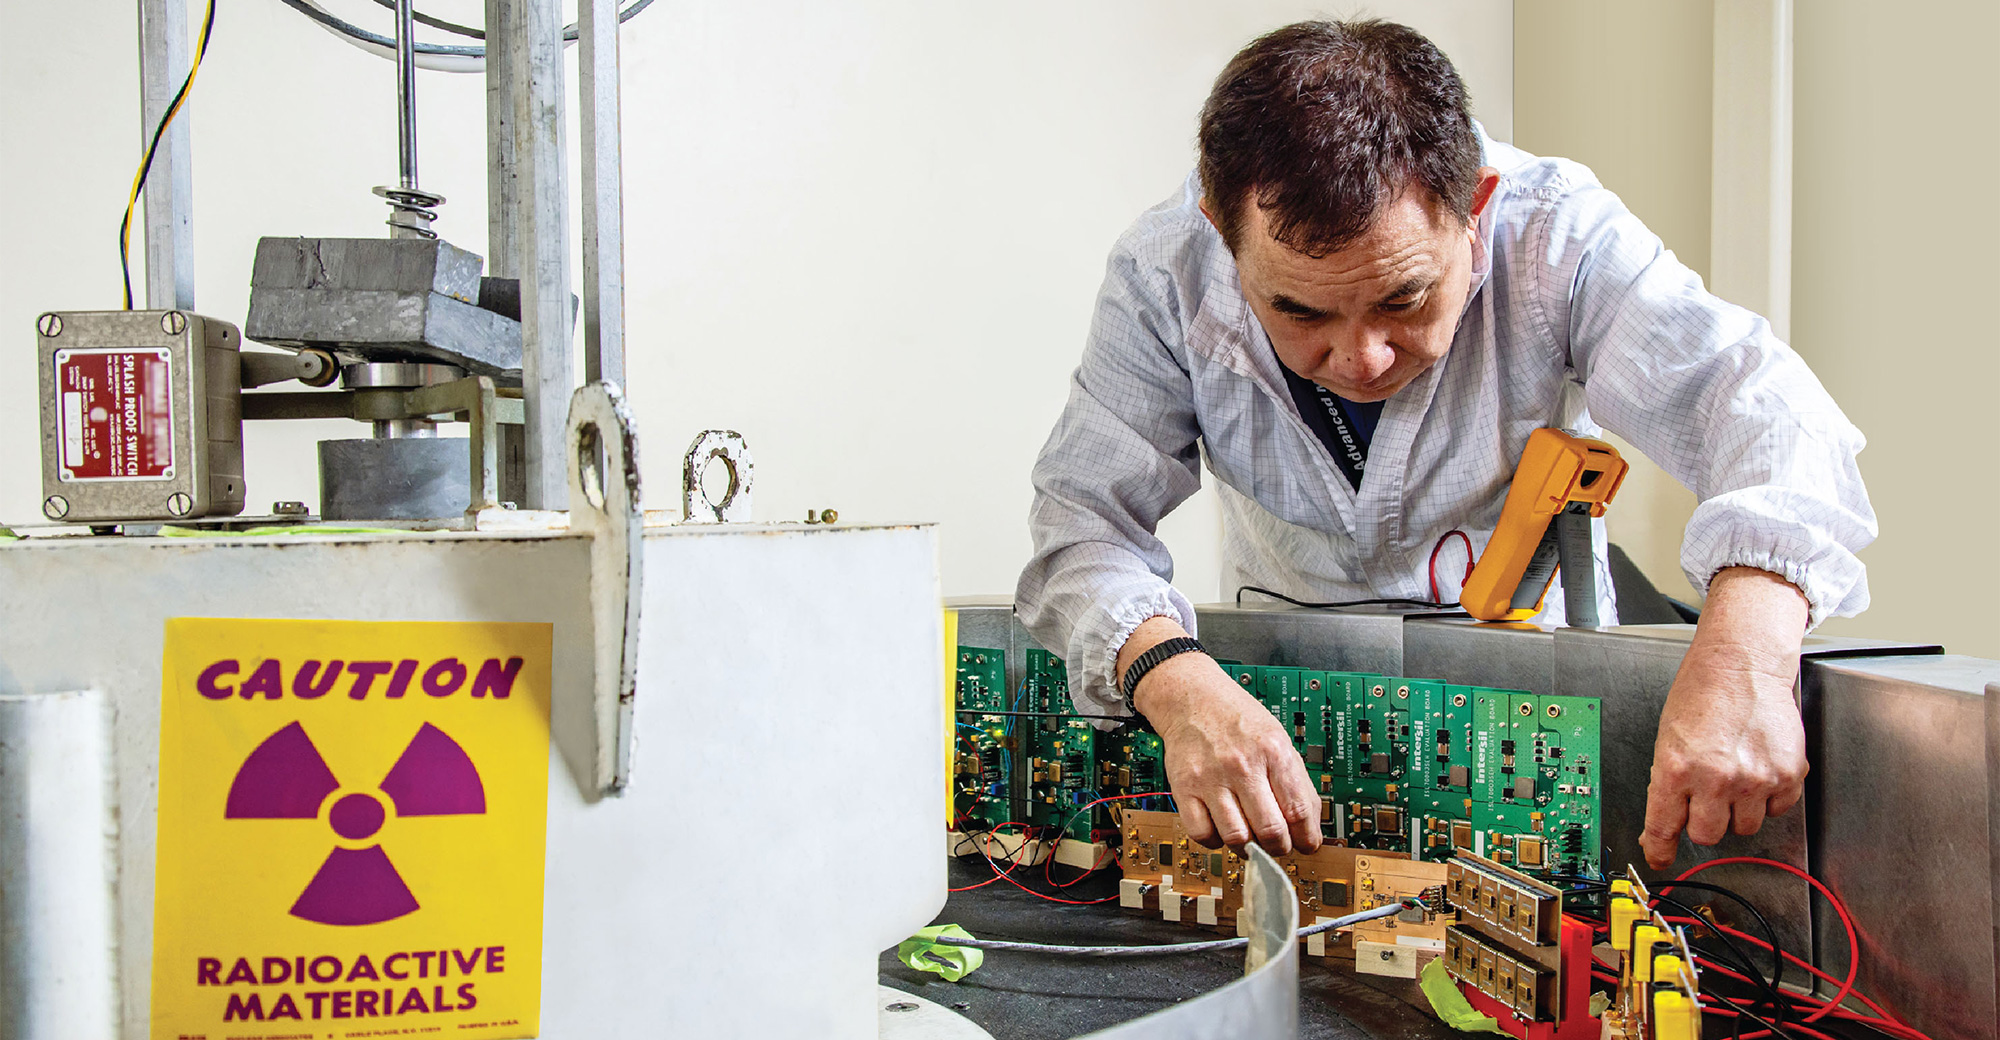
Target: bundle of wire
(1756, 999)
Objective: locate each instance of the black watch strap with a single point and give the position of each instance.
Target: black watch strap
(1154, 656)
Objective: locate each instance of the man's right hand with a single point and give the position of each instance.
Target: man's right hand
(1234, 773)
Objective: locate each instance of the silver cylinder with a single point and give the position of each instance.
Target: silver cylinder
(58, 874)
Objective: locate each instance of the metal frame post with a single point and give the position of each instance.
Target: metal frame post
(503, 239)
(169, 247)
(603, 193)
(530, 43)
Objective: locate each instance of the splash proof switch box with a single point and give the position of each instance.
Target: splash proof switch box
(142, 416)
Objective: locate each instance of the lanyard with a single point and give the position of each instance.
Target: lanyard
(1349, 451)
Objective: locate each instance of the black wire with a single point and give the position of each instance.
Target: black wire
(438, 23)
(1048, 714)
(353, 31)
(146, 167)
(1736, 954)
(1388, 602)
(1777, 956)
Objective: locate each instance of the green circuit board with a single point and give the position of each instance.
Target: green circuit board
(984, 767)
(1404, 764)
(1061, 767)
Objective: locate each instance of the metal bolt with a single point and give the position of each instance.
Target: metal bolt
(901, 1005)
(50, 325)
(179, 504)
(1389, 955)
(56, 507)
(812, 516)
(173, 323)
(828, 516)
(289, 509)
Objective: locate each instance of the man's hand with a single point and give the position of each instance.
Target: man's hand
(1234, 773)
(1731, 749)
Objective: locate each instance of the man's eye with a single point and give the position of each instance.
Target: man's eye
(1394, 306)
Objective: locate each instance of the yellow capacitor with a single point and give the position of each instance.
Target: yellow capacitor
(1675, 1017)
(1625, 911)
(1666, 969)
(1644, 938)
(1621, 887)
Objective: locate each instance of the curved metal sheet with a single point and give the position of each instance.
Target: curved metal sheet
(1264, 1003)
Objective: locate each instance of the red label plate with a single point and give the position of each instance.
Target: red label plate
(116, 414)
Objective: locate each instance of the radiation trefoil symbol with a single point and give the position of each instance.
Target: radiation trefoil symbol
(286, 778)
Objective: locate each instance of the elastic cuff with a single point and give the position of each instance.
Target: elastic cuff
(1127, 618)
(1790, 570)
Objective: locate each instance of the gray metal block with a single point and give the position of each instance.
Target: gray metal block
(1348, 640)
(420, 478)
(400, 265)
(1901, 832)
(380, 299)
(1511, 656)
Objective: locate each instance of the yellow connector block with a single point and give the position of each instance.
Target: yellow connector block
(1643, 939)
(1625, 912)
(1667, 968)
(1675, 1017)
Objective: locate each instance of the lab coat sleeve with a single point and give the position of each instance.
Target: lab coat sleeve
(1705, 389)
(1123, 455)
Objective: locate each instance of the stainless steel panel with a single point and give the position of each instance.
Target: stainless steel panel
(1901, 833)
(1264, 1003)
(1355, 640)
(1511, 656)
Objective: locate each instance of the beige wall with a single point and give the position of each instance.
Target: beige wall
(1885, 270)
(1624, 89)
(1894, 274)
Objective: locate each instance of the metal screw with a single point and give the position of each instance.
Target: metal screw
(56, 507)
(901, 1005)
(1389, 955)
(828, 516)
(50, 325)
(179, 504)
(173, 323)
(289, 509)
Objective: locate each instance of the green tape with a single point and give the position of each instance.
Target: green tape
(8, 536)
(952, 962)
(1451, 1005)
(170, 531)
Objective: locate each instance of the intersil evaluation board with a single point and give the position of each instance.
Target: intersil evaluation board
(351, 830)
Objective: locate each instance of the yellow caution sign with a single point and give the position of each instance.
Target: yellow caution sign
(352, 823)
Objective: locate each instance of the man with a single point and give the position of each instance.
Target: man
(1357, 310)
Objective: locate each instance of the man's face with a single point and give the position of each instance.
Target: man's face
(1366, 320)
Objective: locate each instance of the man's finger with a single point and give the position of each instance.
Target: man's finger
(1194, 820)
(1708, 819)
(1747, 815)
(1666, 814)
(1267, 822)
(1300, 804)
(1782, 802)
(1230, 829)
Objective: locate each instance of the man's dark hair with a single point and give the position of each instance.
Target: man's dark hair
(1321, 123)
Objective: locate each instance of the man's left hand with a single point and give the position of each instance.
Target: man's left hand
(1731, 747)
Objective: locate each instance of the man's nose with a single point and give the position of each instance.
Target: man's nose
(1360, 354)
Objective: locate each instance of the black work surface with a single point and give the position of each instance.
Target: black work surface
(1023, 996)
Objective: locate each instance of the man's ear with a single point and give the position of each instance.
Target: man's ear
(1209, 213)
(1489, 179)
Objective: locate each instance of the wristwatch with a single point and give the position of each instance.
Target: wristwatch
(1154, 656)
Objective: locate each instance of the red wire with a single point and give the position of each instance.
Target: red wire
(1046, 876)
(1439, 547)
(998, 873)
(1874, 1022)
(1847, 922)
(1883, 1013)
